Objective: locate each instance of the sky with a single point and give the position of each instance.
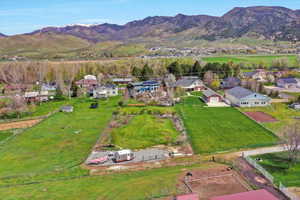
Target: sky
(24, 16)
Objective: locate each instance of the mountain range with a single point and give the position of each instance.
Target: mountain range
(260, 22)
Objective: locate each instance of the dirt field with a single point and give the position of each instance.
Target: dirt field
(261, 117)
(21, 124)
(215, 182)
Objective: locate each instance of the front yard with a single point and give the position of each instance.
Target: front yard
(221, 129)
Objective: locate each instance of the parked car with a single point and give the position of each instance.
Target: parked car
(98, 161)
(94, 105)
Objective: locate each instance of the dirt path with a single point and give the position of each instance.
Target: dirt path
(257, 179)
(20, 124)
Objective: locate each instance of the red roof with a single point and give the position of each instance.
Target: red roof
(192, 196)
(252, 195)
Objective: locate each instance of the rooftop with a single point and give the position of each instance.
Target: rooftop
(239, 92)
(192, 196)
(252, 195)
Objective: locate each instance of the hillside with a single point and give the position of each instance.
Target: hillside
(239, 28)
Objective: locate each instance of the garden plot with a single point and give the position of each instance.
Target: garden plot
(261, 117)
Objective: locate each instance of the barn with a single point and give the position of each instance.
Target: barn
(251, 195)
(210, 96)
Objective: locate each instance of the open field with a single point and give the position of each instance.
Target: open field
(143, 131)
(280, 111)
(5, 134)
(221, 129)
(19, 124)
(279, 166)
(255, 59)
(61, 141)
(138, 185)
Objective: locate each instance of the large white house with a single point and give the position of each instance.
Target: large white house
(190, 84)
(242, 97)
(109, 90)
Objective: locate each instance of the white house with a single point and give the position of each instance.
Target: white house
(190, 84)
(242, 97)
(105, 91)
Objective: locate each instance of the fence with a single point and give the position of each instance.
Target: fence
(280, 187)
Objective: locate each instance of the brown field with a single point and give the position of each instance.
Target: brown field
(20, 124)
(215, 182)
(261, 117)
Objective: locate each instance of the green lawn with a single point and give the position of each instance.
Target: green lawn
(62, 141)
(255, 59)
(144, 131)
(278, 165)
(220, 129)
(4, 135)
(138, 185)
(281, 112)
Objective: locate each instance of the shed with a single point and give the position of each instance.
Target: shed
(67, 109)
(210, 96)
(251, 195)
(192, 196)
(295, 106)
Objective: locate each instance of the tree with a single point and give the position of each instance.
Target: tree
(17, 105)
(137, 72)
(208, 77)
(175, 69)
(196, 69)
(147, 73)
(215, 84)
(291, 141)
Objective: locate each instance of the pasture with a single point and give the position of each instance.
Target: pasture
(143, 131)
(279, 166)
(220, 129)
(61, 141)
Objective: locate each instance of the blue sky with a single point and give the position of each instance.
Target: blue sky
(22, 16)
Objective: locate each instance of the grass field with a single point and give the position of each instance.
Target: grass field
(139, 185)
(278, 165)
(220, 129)
(144, 131)
(281, 112)
(255, 59)
(61, 141)
(5, 134)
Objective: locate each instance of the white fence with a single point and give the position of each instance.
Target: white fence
(280, 187)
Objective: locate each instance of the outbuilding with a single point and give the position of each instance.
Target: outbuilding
(191, 196)
(242, 97)
(251, 195)
(67, 109)
(210, 96)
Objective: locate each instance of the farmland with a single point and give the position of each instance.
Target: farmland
(220, 129)
(144, 131)
(255, 59)
(61, 141)
(282, 170)
(280, 111)
(5, 134)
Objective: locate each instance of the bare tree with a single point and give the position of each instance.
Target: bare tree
(291, 141)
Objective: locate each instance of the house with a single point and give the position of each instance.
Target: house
(50, 88)
(89, 82)
(259, 75)
(190, 84)
(31, 97)
(295, 106)
(67, 109)
(288, 83)
(143, 87)
(192, 196)
(251, 195)
(122, 80)
(242, 97)
(230, 82)
(210, 96)
(105, 91)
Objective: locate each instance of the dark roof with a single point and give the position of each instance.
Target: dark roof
(249, 74)
(146, 83)
(289, 80)
(232, 79)
(209, 93)
(239, 92)
(185, 82)
(251, 195)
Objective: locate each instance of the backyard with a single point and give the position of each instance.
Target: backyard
(62, 141)
(144, 131)
(282, 170)
(221, 129)
(279, 111)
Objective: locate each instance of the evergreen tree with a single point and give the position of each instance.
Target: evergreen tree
(147, 73)
(175, 69)
(137, 72)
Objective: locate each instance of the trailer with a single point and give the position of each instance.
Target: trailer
(123, 155)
